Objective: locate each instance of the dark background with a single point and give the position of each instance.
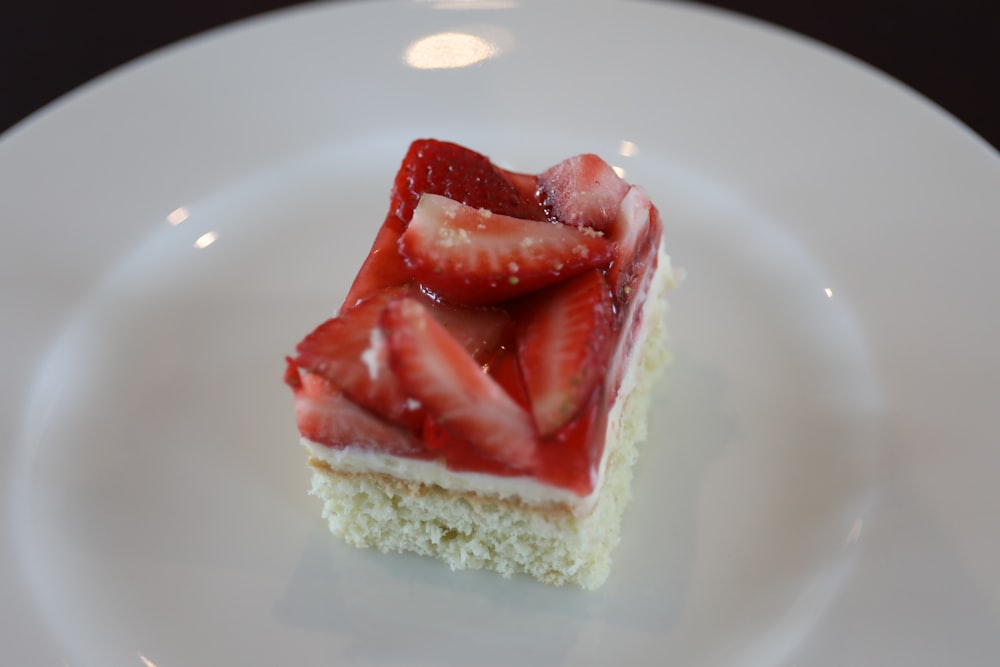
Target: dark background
(947, 51)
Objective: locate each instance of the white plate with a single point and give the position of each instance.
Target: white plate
(819, 483)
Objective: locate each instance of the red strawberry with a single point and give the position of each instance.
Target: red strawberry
(349, 351)
(326, 416)
(447, 169)
(472, 256)
(562, 336)
(437, 371)
(630, 230)
(583, 191)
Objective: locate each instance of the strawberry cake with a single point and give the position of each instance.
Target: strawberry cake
(479, 395)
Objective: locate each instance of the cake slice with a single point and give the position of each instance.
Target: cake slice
(480, 393)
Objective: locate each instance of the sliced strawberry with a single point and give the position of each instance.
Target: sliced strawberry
(471, 256)
(437, 371)
(563, 335)
(326, 416)
(629, 231)
(447, 169)
(583, 191)
(349, 351)
(383, 267)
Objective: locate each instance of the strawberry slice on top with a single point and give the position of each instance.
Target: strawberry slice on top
(563, 336)
(629, 233)
(473, 256)
(348, 350)
(326, 416)
(437, 371)
(438, 167)
(582, 191)
(443, 168)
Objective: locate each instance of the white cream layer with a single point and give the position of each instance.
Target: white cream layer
(525, 489)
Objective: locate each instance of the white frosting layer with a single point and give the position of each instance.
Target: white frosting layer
(525, 489)
(357, 460)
